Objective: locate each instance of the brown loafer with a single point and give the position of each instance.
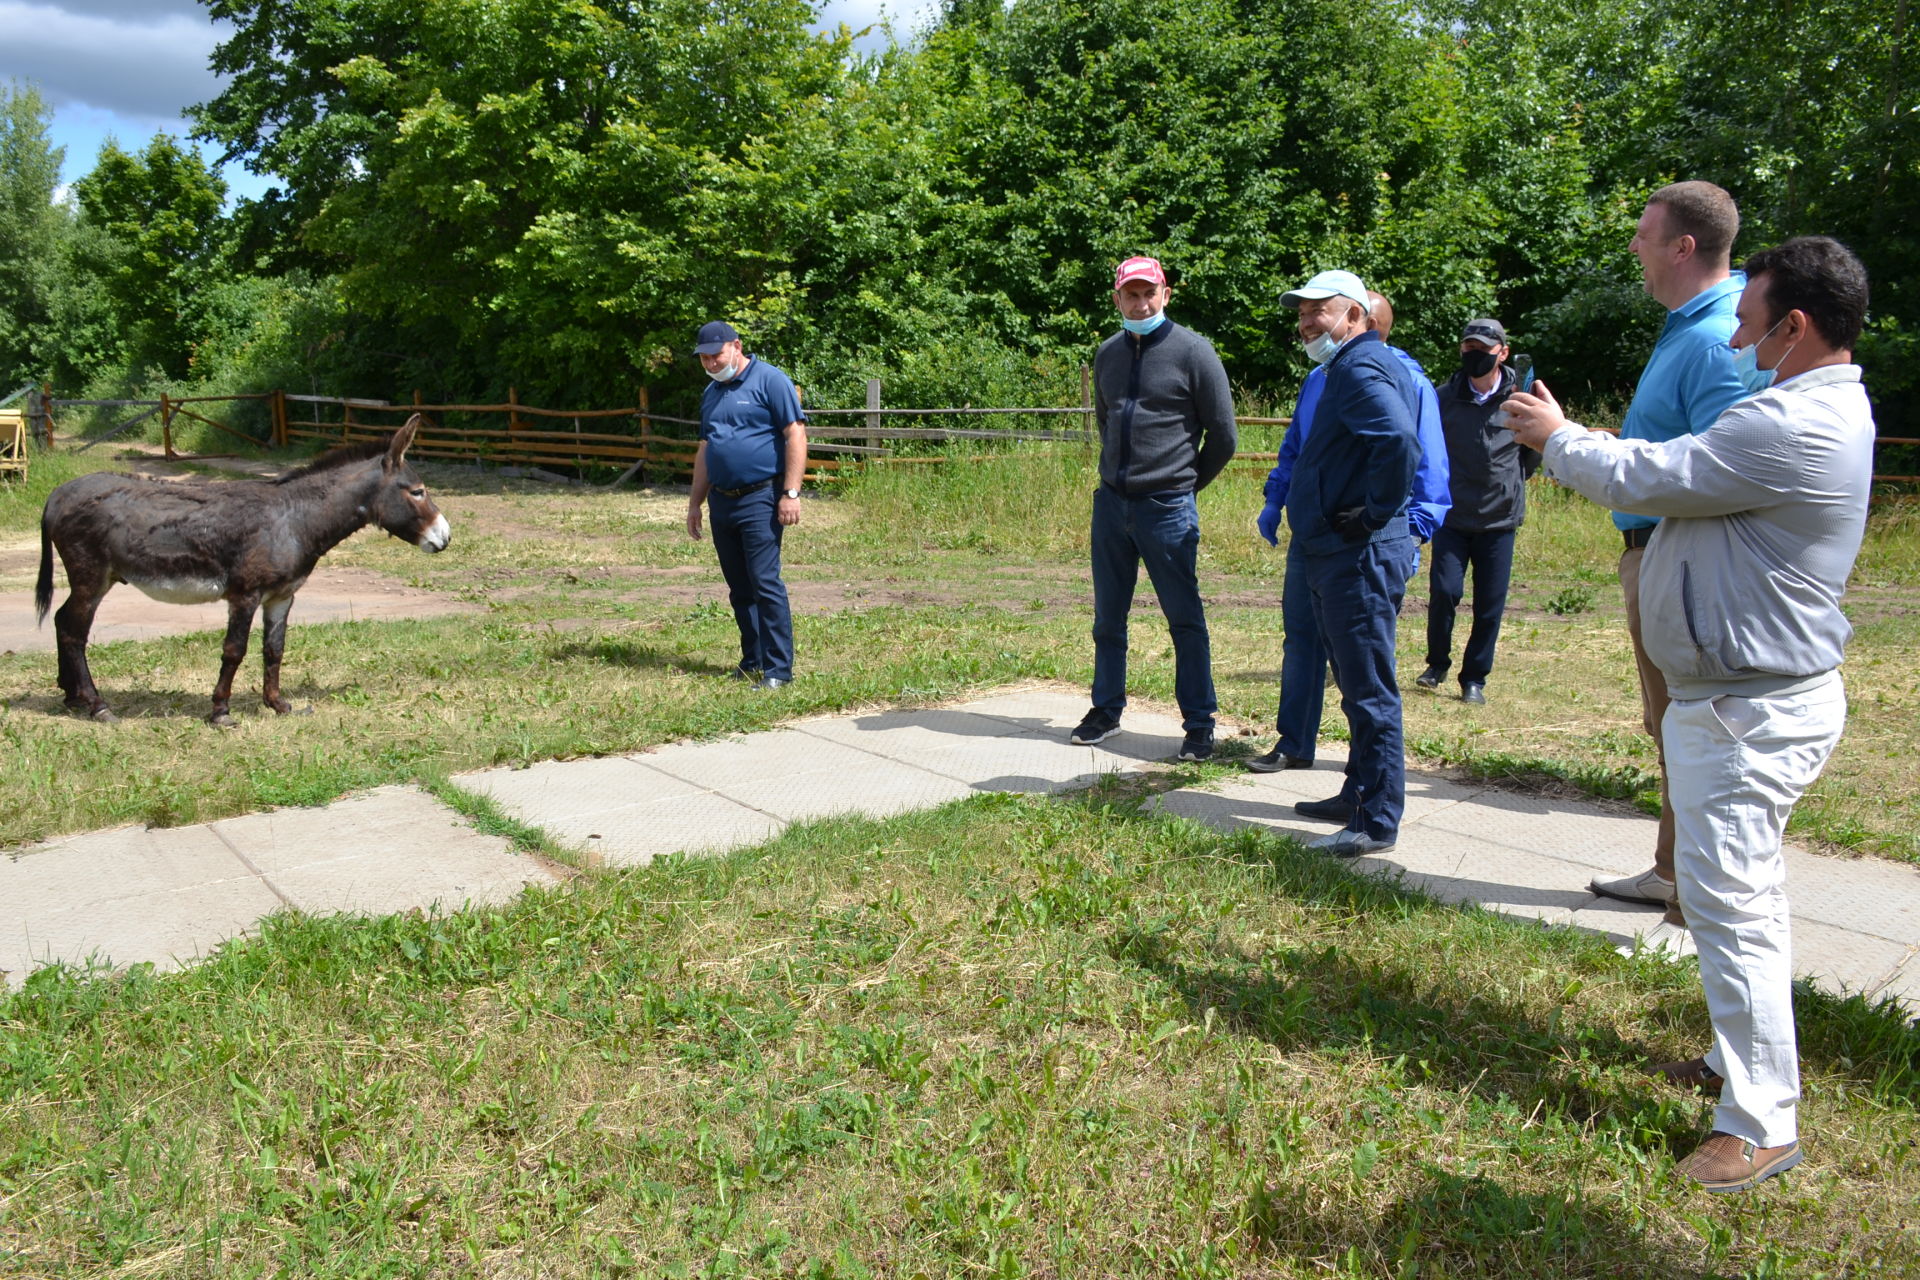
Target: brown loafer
(1725, 1163)
(1693, 1074)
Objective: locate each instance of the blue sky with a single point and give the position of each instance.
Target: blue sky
(129, 68)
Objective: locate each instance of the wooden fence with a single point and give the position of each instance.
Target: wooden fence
(627, 437)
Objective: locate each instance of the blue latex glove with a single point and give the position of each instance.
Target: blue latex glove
(1269, 523)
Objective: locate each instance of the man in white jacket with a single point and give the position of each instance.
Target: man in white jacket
(1761, 517)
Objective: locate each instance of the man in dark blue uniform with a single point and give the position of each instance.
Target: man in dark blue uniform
(752, 455)
(1347, 507)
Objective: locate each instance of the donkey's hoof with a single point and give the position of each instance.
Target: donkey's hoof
(222, 720)
(302, 711)
(103, 716)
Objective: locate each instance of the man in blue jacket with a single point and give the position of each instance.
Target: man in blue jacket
(1347, 508)
(1303, 659)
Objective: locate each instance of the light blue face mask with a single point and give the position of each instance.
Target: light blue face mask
(1148, 325)
(1321, 349)
(725, 374)
(1746, 363)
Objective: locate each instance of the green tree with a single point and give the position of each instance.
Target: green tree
(160, 212)
(31, 233)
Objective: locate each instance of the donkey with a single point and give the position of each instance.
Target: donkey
(251, 543)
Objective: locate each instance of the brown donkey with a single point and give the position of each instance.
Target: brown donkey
(251, 543)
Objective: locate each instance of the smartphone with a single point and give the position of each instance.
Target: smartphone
(1522, 373)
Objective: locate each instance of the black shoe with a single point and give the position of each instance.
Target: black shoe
(1431, 677)
(1097, 727)
(1334, 809)
(1473, 693)
(767, 684)
(1197, 745)
(1276, 760)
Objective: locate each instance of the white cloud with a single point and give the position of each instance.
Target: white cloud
(96, 53)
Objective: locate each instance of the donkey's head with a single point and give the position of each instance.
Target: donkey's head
(400, 504)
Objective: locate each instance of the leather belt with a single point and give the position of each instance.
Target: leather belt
(1638, 537)
(744, 490)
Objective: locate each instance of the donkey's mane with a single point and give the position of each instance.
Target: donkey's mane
(333, 459)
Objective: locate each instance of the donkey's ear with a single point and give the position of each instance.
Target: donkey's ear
(397, 447)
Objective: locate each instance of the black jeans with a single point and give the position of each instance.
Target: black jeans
(1490, 553)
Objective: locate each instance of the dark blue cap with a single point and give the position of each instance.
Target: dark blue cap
(714, 335)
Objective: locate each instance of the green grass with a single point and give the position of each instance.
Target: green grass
(1011, 1037)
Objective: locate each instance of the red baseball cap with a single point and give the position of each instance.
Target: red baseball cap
(1139, 269)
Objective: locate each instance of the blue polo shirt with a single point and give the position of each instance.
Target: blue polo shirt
(1689, 379)
(1432, 491)
(744, 425)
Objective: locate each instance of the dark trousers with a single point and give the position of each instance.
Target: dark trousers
(1490, 554)
(1303, 663)
(1163, 531)
(1356, 605)
(746, 536)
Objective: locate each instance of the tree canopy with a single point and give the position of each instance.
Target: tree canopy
(553, 193)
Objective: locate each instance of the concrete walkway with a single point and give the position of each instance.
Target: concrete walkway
(166, 896)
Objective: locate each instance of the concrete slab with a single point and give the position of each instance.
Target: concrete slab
(575, 786)
(1861, 894)
(1837, 959)
(392, 849)
(891, 732)
(1237, 808)
(1904, 984)
(1515, 883)
(1027, 762)
(880, 788)
(635, 834)
(1037, 708)
(1569, 831)
(730, 762)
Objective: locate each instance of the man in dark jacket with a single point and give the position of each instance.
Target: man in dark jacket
(1487, 476)
(1166, 430)
(1347, 507)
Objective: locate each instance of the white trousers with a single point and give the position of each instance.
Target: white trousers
(1735, 768)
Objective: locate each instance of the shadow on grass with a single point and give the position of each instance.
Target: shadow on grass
(1456, 1225)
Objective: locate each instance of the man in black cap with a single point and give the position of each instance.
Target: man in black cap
(1487, 479)
(752, 455)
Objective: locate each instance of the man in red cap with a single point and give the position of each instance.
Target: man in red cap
(1166, 429)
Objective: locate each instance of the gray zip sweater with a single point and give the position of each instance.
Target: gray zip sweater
(1761, 517)
(1165, 411)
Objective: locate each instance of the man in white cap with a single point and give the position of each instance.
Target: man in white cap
(1165, 411)
(1347, 508)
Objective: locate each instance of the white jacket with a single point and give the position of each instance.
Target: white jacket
(1761, 517)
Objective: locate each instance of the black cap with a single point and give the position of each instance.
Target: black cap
(714, 335)
(1491, 332)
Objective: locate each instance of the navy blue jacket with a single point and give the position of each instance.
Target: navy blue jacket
(1362, 450)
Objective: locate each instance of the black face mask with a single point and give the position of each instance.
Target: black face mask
(1478, 364)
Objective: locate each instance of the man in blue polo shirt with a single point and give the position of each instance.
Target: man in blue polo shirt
(747, 469)
(1684, 242)
(1303, 659)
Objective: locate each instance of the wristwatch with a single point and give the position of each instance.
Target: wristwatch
(789, 493)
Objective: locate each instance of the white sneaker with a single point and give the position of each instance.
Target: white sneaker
(1647, 888)
(1350, 844)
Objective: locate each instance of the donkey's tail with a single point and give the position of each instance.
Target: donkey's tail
(43, 591)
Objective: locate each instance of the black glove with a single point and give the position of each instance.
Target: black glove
(1352, 524)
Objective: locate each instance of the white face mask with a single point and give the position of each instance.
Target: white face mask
(1321, 349)
(724, 374)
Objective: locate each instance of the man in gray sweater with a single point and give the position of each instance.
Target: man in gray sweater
(1166, 430)
(1761, 517)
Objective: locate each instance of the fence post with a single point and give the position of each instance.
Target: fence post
(166, 427)
(646, 432)
(513, 408)
(346, 421)
(873, 404)
(279, 409)
(46, 408)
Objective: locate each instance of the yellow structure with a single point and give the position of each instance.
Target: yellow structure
(13, 442)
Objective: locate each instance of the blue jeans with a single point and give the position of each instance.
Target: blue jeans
(1490, 553)
(746, 536)
(1356, 605)
(1163, 530)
